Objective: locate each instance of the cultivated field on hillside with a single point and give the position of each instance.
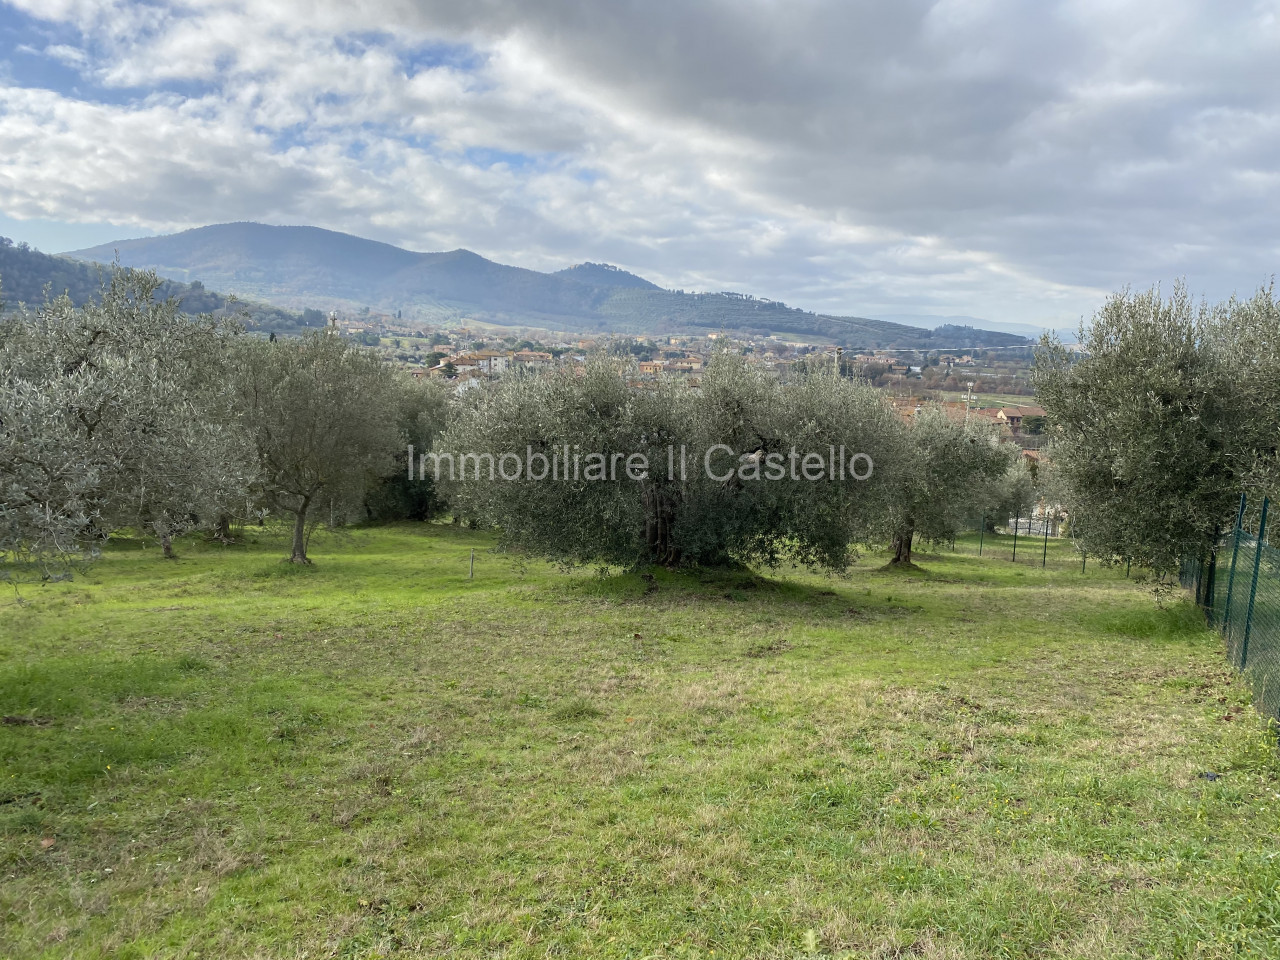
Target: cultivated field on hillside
(226, 755)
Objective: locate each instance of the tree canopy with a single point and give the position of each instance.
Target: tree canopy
(323, 416)
(738, 494)
(115, 414)
(1169, 410)
(948, 473)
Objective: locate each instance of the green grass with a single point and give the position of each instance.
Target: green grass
(376, 756)
(981, 400)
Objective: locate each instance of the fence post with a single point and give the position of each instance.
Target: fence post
(1044, 557)
(1253, 587)
(1017, 521)
(982, 532)
(1211, 576)
(1084, 557)
(1235, 552)
(471, 574)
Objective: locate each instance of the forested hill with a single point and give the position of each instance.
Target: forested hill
(27, 276)
(294, 267)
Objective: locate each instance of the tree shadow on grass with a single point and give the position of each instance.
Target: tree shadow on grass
(738, 584)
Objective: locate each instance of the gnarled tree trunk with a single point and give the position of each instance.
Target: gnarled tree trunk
(902, 545)
(659, 526)
(164, 534)
(223, 533)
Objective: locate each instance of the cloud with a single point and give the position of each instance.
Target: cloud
(987, 157)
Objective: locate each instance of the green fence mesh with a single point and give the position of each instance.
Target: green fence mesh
(1239, 590)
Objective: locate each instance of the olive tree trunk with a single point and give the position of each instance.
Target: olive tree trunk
(223, 533)
(659, 527)
(299, 554)
(902, 545)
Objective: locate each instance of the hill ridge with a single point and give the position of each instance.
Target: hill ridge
(293, 266)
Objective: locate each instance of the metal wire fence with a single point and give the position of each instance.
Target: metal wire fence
(1238, 586)
(1039, 541)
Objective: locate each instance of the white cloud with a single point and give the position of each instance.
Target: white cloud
(992, 158)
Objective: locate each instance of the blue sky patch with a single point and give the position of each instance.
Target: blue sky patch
(26, 61)
(486, 157)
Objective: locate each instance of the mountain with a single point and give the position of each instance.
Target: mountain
(248, 257)
(604, 275)
(297, 267)
(25, 274)
(1030, 330)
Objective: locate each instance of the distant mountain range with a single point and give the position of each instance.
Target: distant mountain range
(297, 267)
(931, 320)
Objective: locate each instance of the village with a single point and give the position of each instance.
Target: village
(991, 384)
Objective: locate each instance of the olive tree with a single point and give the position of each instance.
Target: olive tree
(50, 481)
(781, 435)
(118, 413)
(548, 421)
(602, 468)
(1149, 428)
(948, 471)
(1245, 343)
(1015, 492)
(323, 418)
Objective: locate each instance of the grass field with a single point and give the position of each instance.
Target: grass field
(980, 400)
(227, 756)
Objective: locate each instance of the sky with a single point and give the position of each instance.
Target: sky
(1014, 161)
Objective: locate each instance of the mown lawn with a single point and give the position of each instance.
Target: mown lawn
(227, 756)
